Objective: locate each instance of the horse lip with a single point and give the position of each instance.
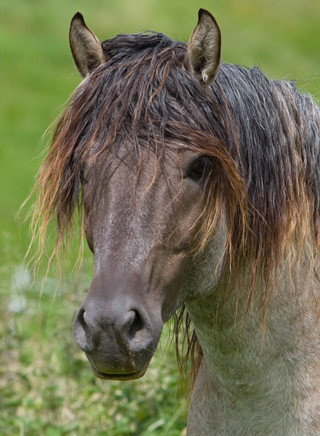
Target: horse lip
(121, 377)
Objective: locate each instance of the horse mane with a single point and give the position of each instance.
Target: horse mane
(262, 136)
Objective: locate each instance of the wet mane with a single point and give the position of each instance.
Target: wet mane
(262, 137)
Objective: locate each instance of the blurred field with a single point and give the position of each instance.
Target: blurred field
(46, 385)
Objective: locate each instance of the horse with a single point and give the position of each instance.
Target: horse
(198, 187)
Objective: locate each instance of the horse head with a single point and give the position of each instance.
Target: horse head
(144, 213)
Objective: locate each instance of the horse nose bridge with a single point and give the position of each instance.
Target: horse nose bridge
(131, 230)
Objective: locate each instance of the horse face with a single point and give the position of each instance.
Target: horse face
(143, 233)
(143, 228)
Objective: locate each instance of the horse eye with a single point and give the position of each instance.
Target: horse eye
(195, 170)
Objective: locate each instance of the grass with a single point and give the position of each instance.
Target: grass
(47, 388)
(46, 385)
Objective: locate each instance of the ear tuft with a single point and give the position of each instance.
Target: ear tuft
(204, 49)
(86, 48)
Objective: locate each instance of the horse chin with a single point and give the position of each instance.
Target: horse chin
(119, 377)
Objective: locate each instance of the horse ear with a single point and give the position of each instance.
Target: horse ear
(86, 48)
(204, 49)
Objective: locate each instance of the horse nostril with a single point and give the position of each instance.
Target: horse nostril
(136, 332)
(136, 325)
(82, 331)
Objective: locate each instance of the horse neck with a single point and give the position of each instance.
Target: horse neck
(259, 379)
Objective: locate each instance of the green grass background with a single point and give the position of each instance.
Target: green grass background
(46, 385)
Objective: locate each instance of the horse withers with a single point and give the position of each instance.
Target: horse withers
(198, 185)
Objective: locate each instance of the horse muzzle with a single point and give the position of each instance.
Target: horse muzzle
(118, 336)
